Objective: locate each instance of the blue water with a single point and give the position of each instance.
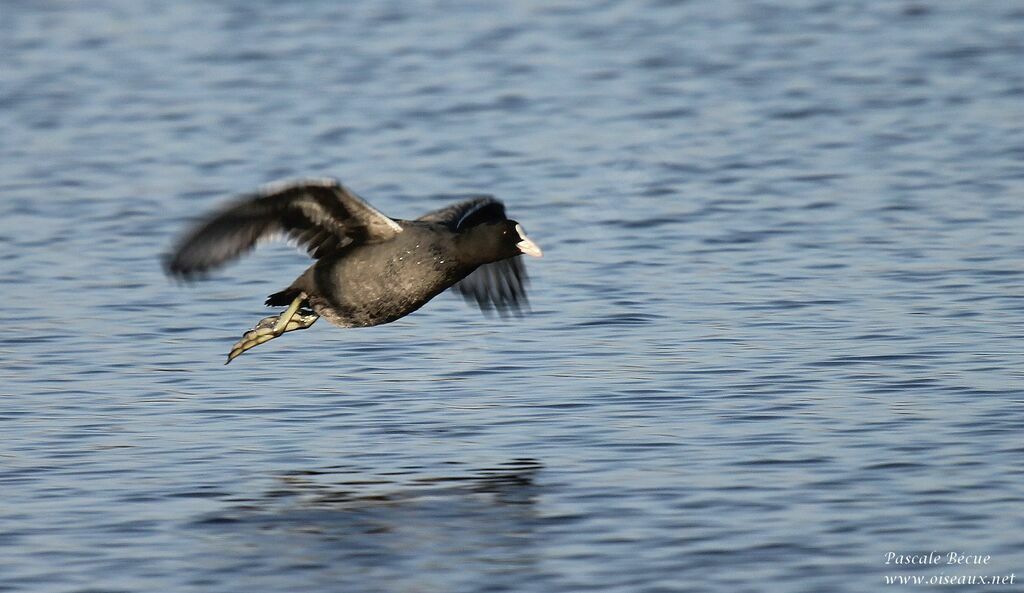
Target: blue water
(777, 332)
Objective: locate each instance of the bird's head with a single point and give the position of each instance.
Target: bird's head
(501, 240)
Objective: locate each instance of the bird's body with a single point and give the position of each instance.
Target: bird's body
(367, 285)
(370, 269)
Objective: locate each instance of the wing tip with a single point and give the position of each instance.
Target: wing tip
(181, 272)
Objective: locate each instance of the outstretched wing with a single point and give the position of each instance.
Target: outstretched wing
(321, 215)
(499, 286)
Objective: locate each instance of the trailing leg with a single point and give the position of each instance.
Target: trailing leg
(293, 318)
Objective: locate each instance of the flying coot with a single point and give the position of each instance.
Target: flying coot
(370, 269)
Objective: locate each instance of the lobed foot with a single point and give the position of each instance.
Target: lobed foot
(269, 328)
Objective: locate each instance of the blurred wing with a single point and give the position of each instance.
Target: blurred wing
(320, 215)
(498, 286)
(468, 213)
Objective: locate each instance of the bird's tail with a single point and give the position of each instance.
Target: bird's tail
(283, 298)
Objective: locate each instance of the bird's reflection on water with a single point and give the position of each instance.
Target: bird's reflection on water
(481, 523)
(510, 483)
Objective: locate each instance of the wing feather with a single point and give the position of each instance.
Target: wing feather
(499, 286)
(321, 215)
(467, 213)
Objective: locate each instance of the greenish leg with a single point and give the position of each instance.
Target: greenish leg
(271, 327)
(284, 318)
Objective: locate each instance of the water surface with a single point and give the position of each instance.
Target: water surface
(776, 333)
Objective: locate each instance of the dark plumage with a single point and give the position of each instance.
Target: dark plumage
(370, 269)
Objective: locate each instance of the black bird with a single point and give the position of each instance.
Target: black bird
(370, 269)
